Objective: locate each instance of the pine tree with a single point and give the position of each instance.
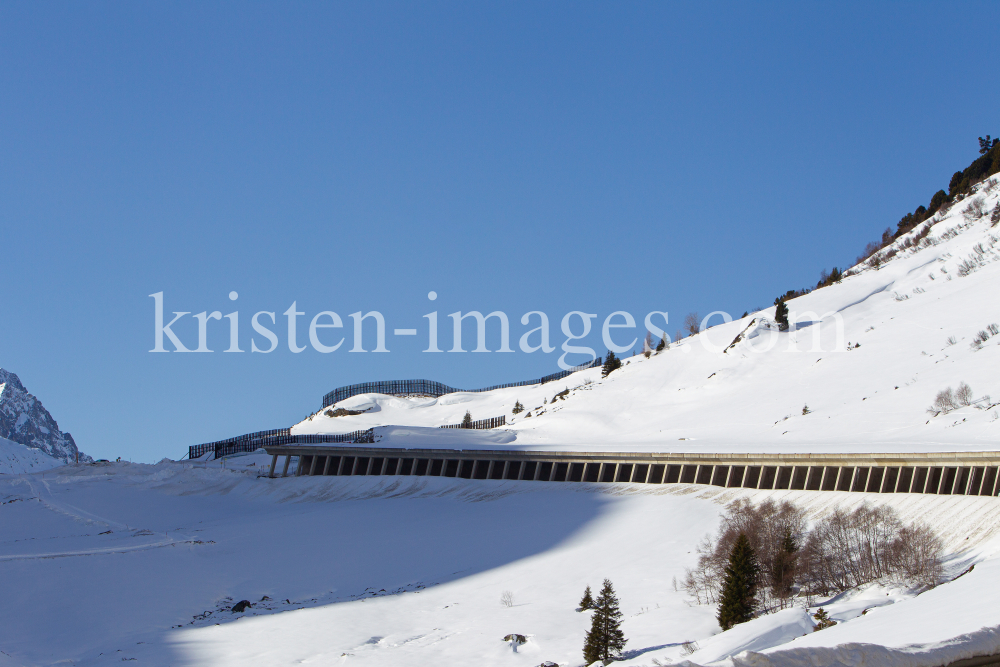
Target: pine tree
(467, 420)
(605, 640)
(823, 620)
(663, 339)
(611, 363)
(518, 408)
(781, 314)
(739, 586)
(588, 600)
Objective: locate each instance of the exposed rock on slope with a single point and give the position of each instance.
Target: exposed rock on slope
(23, 419)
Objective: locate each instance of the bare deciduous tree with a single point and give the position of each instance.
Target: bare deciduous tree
(944, 401)
(843, 550)
(976, 208)
(692, 324)
(964, 394)
(647, 345)
(507, 599)
(848, 549)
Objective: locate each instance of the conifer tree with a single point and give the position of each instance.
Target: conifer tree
(823, 620)
(467, 420)
(605, 640)
(781, 314)
(739, 587)
(611, 363)
(663, 339)
(518, 408)
(587, 602)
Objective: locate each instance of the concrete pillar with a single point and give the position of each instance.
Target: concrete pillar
(506, 466)
(489, 470)
(298, 468)
(326, 466)
(340, 465)
(312, 466)
(974, 488)
(274, 461)
(288, 459)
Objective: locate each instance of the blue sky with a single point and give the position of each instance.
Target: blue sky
(509, 156)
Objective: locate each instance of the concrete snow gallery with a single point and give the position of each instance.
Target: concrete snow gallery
(575, 326)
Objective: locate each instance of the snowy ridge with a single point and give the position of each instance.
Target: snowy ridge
(25, 420)
(856, 372)
(17, 459)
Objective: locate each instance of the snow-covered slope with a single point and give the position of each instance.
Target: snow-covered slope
(24, 419)
(111, 563)
(867, 356)
(16, 459)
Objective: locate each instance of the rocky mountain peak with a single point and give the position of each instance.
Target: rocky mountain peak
(23, 419)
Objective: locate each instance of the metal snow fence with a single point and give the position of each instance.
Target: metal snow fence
(432, 388)
(492, 422)
(282, 436)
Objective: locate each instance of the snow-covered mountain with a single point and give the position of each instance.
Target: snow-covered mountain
(858, 369)
(24, 420)
(17, 459)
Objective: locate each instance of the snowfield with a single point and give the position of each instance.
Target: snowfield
(129, 562)
(867, 356)
(116, 562)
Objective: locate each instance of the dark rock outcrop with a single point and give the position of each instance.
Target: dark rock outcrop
(23, 419)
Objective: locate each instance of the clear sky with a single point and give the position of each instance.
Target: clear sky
(518, 157)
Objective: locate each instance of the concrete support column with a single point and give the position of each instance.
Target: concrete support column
(298, 468)
(326, 466)
(274, 461)
(288, 459)
(312, 466)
